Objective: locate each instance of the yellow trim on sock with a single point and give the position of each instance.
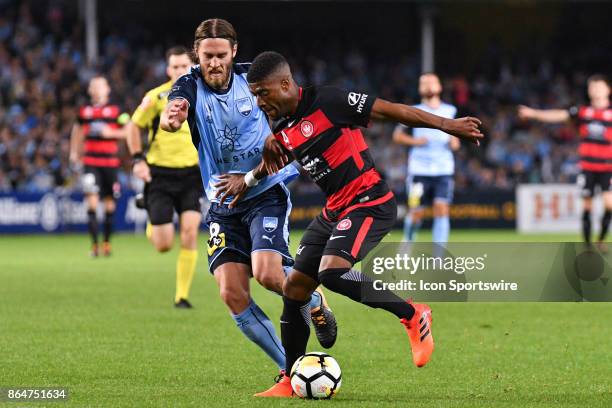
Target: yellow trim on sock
(149, 230)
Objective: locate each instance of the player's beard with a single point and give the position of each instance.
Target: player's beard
(218, 82)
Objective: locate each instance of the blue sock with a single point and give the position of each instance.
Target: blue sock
(315, 300)
(254, 323)
(440, 230)
(410, 228)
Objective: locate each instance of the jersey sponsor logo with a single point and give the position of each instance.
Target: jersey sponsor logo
(344, 225)
(331, 238)
(228, 138)
(307, 128)
(300, 249)
(163, 94)
(217, 238)
(596, 130)
(238, 157)
(353, 98)
(244, 106)
(357, 99)
(270, 223)
(311, 165)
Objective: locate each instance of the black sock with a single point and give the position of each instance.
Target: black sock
(605, 223)
(92, 225)
(295, 329)
(348, 282)
(108, 226)
(586, 226)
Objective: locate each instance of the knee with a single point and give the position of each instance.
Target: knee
(162, 245)
(440, 210)
(292, 289)
(270, 279)
(268, 270)
(235, 301)
(189, 236)
(416, 215)
(328, 277)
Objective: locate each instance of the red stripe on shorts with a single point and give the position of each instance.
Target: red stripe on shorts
(363, 231)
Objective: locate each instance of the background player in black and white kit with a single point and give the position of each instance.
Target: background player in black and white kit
(319, 128)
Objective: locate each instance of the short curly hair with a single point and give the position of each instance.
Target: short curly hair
(264, 65)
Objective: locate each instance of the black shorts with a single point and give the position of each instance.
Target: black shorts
(590, 180)
(351, 238)
(101, 181)
(172, 190)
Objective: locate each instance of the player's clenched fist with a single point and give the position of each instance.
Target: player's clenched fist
(177, 113)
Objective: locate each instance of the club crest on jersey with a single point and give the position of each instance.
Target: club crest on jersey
(270, 223)
(344, 225)
(244, 106)
(307, 128)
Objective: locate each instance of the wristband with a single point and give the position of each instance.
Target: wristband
(250, 180)
(137, 157)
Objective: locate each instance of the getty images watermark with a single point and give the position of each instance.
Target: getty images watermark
(407, 264)
(492, 272)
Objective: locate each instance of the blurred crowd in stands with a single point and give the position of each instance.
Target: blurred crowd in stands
(43, 77)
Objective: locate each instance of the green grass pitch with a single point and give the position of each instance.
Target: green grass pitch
(106, 329)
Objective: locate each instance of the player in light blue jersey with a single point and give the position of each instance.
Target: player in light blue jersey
(251, 239)
(431, 164)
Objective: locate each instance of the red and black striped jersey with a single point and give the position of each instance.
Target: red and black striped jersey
(99, 151)
(324, 137)
(595, 131)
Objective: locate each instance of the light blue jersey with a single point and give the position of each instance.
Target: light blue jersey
(435, 158)
(227, 128)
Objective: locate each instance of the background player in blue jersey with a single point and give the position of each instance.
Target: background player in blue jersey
(229, 131)
(431, 164)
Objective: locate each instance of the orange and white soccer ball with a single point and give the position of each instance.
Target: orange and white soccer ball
(316, 375)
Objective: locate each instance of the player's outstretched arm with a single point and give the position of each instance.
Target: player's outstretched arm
(112, 133)
(274, 158)
(402, 138)
(140, 168)
(174, 115)
(464, 128)
(544, 115)
(76, 142)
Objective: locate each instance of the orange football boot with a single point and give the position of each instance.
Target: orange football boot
(282, 388)
(419, 332)
(106, 248)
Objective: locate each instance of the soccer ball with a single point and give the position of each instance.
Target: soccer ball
(316, 375)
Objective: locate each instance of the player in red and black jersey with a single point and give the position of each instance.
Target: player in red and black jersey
(320, 129)
(94, 145)
(595, 150)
